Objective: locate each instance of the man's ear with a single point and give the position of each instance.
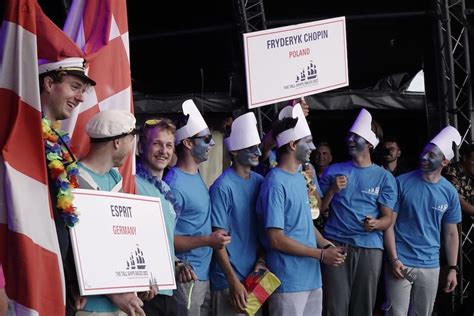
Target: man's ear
(48, 83)
(445, 162)
(292, 145)
(140, 148)
(399, 154)
(116, 142)
(187, 143)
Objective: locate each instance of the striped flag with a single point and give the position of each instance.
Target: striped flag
(29, 247)
(100, 29)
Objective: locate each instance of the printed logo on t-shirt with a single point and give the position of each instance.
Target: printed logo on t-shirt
(441, 208)
(372, 191)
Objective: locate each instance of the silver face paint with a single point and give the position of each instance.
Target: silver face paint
(431, 158)
(356, 144)
(304, 147)
(248, 156)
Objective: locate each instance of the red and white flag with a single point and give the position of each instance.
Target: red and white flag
(100, 29)
(29, 249)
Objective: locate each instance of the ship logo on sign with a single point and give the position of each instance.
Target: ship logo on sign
(309, 73)
(136, 260)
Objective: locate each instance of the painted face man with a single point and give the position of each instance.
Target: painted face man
(202, 143)
(304, 147)
(427, 203)
(284, 209)
(248, 156)
(431, 158)
(193, 238)
(366, 193)
(356, 144)
(233, 196)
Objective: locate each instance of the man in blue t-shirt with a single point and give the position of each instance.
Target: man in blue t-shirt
(290, 239)
(194, 238)
(234, 196)
(362, 196)
(427, 205)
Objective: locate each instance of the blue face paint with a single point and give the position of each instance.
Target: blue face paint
(248, 156)
(431, 158)
(356, 144)
(202, 143)
(304, 147)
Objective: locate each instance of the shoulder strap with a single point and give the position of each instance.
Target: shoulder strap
(85, 180)
(117, 187)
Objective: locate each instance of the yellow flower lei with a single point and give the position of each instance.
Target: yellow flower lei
(311, 188)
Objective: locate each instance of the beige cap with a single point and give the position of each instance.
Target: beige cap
(110, 124)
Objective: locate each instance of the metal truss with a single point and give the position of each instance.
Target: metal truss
(251, 17)
(456, 84)
(456, 102)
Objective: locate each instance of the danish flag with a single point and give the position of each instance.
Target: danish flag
(29, 250)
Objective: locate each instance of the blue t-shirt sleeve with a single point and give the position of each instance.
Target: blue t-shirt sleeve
(318, 188)
(453, 213)
(178, 197)
(396, 207)
(220, 208)
(326, 181)
(388, 195)
(274, 208)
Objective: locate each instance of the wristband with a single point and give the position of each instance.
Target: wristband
(261, 261)
(322, 256)
(455, 268)
(393, 260)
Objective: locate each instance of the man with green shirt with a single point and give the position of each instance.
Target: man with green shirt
(156, 147)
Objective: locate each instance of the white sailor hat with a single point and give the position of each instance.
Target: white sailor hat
(73, 65)
(110, 124)
(243, 133)
(194, 125)
(300, 130)
(444, 140)
(363, 127)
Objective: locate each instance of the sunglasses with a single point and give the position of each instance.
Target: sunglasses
(207, 139)
(152, 122)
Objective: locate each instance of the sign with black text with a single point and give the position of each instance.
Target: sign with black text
(294, 61)
(120, 243)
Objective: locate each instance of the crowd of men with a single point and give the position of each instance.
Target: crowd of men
(245, 222)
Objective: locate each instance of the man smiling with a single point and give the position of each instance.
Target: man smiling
(290, 239)
(194, 238)
(362, 196)
(234, 195)
(156, 148)
(62, 87)
(427, 202)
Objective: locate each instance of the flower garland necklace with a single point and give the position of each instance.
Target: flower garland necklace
(145, 174)
(311, 188)
(62, 169)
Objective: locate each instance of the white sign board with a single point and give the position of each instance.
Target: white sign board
(120, 243)
(294, 61)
